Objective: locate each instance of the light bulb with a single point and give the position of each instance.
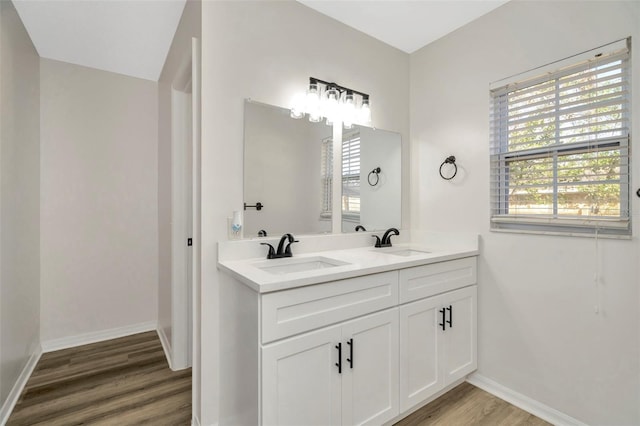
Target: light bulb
(313, 103)
(365, 112)
(348, 111)
(331, 105)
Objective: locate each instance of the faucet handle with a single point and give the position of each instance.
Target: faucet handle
(272, 252)
(378, 244)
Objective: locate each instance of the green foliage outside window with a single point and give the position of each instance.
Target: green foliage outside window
(555, 163)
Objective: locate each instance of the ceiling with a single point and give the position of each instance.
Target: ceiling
(406, 25)
(133, 37)
(129, 37)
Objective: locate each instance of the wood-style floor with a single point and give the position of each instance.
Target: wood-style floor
(469, 405)
(124, 381)
(127, 382)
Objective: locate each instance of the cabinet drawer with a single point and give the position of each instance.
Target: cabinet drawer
(290, 312)
(428, 280)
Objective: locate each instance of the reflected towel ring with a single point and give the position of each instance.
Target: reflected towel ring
(376, 173)
(449, 160)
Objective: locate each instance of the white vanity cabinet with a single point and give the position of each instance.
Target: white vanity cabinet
(437, 344)
(344, 374)
(363, 350)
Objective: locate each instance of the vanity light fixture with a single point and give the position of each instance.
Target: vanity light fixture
(332, 102)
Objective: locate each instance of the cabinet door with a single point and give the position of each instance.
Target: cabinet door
(370, 369)
(300, 381)
(420, 375)
(459, 357)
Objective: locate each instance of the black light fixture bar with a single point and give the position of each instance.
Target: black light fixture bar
(313, 80)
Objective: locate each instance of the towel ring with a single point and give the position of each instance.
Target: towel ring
(376, 173)
(449, 160)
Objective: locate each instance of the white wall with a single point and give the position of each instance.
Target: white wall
(188, 27)
(99, 204)
(538, 332)
(19, 199)
(267, 51)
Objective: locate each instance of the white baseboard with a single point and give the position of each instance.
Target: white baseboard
(166, 347)
(195, 421)
(96, 336)
(19, 385)
(530, 405)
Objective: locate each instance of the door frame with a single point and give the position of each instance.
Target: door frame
(185, 139)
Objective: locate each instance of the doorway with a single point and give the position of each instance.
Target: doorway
(185, 130)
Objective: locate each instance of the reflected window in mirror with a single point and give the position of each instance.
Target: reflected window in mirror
(374, 203)
(351, 177)
(326, 177)
(350, 199)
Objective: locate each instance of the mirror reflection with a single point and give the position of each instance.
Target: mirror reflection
(282, 171)
(288, 169)
(371, 179)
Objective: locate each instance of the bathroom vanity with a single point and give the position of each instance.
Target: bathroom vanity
(344, 336)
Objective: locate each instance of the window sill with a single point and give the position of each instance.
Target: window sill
(570, 227)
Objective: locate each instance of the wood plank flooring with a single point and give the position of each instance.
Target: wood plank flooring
(124, 381)
(468, 405)
(127, 382)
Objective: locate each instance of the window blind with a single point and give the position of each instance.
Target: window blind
(560, 149)
(351, 176)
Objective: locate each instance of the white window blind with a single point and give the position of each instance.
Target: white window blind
(351, 177)
(560, 149)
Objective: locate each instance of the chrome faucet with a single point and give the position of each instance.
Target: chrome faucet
(386, 238)
(283, 251)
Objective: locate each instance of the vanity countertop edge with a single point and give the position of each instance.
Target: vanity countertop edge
(360, 261)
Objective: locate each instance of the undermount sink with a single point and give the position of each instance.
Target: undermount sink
(407, 252)
(303, 264)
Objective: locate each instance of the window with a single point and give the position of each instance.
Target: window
(351, 177)
(560, 149)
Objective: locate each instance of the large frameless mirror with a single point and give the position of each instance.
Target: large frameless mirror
(288, 170)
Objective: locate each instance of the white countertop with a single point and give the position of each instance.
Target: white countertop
(360, 261)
